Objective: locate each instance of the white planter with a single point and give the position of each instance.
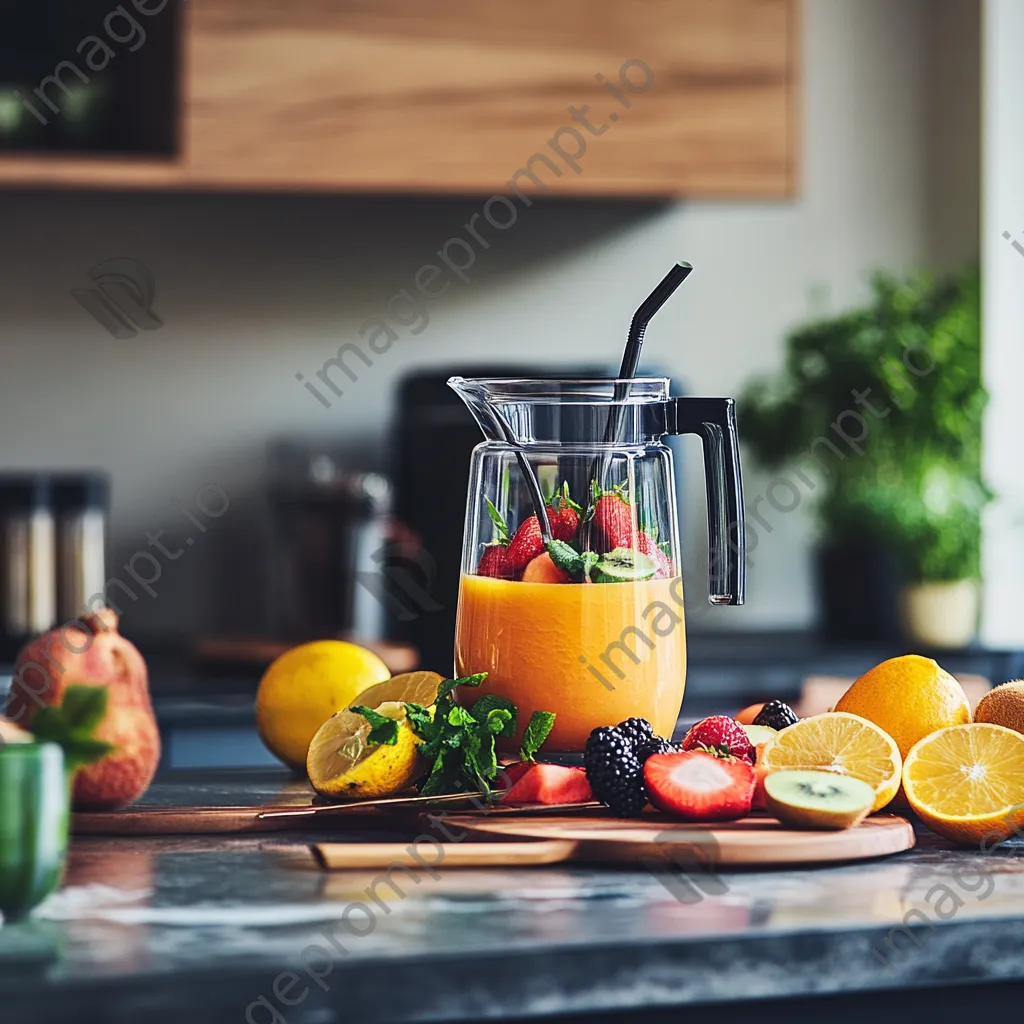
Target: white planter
(941, 614)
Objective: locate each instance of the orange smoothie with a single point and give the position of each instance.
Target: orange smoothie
(594, 654)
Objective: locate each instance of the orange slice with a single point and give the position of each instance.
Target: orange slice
(842, 743)
(967, 782)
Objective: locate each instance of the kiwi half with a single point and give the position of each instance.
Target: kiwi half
(819, 800)
(624, 565)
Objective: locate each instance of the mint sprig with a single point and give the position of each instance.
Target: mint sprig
(72, 723)
(459, 741)
(537, 731)
(501, 534)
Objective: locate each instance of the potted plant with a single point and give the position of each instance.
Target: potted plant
(879, 411)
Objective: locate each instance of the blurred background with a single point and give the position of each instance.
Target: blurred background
(223, 356)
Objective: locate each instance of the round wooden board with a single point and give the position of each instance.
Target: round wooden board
(755, 841)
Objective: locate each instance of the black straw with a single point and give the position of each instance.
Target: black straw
(642, 317)
(631, 356)
(635, 340)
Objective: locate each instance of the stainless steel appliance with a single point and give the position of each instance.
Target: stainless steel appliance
(80, 504)
(28, 591)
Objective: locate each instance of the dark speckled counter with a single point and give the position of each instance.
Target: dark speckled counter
(211, 929)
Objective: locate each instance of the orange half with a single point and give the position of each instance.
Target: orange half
(967, 782)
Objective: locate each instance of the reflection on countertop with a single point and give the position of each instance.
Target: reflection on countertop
(199, 927)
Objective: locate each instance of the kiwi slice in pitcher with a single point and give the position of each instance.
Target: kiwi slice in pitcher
(623, 565)
(821, 800)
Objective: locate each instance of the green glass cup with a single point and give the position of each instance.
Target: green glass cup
(34, 806)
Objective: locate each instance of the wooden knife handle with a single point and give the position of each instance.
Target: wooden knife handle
(346, 856)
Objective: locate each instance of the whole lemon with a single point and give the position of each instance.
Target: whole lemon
(908, 697)
(304, 687)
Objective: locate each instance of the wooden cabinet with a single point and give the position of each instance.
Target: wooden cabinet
(591, 97)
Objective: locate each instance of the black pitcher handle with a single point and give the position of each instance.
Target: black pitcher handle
(714, 421)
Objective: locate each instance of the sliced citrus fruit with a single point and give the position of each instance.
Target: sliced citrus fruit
(967, 782)
(409, 688)
(842, 743)
(343, 764)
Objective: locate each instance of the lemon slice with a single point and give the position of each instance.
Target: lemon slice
(967, 782)
(842, 743)
(342, 764)
(408, 688)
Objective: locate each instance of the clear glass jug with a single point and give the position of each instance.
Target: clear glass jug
(591, 625)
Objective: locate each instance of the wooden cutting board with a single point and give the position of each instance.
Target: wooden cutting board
(750, 842)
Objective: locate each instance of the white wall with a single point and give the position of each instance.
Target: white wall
(1003, 314)
(253, 289)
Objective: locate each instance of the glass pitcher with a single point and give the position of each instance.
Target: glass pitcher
(585, 618)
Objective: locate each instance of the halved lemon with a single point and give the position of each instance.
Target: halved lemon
(967, 782)
(343, 764)
(842, 743)
(409, 688)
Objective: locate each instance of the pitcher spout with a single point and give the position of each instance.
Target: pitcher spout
(475, 394)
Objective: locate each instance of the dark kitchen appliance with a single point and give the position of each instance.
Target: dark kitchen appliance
(330, 535)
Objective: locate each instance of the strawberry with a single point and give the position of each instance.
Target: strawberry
(564, 515)
(721, 734)
(613, 518)
(698, 786)
(527, 543)
(662, 563)
(494, 562)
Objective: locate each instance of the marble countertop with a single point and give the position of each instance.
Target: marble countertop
(230, 928)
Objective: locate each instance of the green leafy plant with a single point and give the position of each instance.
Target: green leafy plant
(913, 355)
(72, 725)
(459, 742)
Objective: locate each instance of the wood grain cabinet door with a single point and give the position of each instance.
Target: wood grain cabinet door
(671, 97)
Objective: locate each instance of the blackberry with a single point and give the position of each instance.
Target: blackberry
(656, 745)
(614, 772)
(776, 715)
(637, 730)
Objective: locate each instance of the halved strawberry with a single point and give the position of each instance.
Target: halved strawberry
(721, 734)
(698, 786)
(495, 562)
